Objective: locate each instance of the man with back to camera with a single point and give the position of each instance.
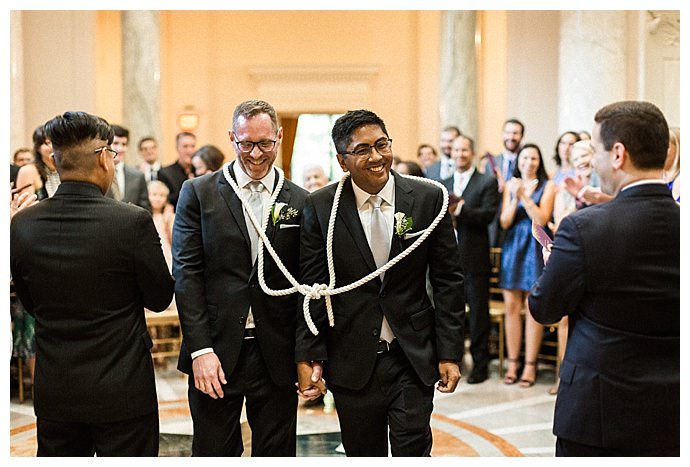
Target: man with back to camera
(477, 196)
(129, 185)
(389, 344)
(85, 266)
(175, 174)
(614, 270)
(239, 342)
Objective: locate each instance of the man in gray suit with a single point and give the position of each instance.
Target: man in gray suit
(129, 184)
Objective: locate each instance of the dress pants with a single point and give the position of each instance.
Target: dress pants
(477, 296)
(136, 437)
(271, 411)
(565, 448)
(395, 399)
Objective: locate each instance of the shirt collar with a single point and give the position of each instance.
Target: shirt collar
(386, 193)
(509, 156)
(243, 179)
(467, 173)
(649, 181)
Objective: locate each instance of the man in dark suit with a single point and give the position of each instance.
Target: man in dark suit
(85, 266)
(175, 174)
(443, 167)
(476, 197)
(614, 269)
(389, 344)
(239, 342)
(129, 185)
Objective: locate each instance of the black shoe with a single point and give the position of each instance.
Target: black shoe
(477, 377)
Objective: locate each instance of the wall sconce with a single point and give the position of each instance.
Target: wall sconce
(188, 119)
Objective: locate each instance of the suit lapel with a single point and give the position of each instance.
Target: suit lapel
(404, 202)
(234, 204)
(347, 211)
(283, 197)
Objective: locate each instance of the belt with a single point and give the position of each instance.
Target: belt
(249, 333)
(384, 346)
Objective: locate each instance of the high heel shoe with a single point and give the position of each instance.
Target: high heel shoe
(511, 379)
(528, 383)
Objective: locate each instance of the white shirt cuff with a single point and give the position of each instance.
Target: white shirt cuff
(201, 352)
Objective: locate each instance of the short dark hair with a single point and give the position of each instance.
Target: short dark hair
(515, 121)
(250, 108)
(469, 140)
(454, 129)
(556, 156)
(348, 123)
(542, 176)
(422, 146)
(413, 168)
(145, 139)
(120, 131)
(211, 155)
(640, 127)
(72, 129)
(183, 134)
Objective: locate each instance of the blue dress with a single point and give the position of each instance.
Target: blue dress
(521, 258)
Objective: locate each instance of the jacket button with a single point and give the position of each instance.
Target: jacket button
(375, 332)
(382, 294)
(241, 319)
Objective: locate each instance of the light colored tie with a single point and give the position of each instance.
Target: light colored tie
(256, 205)
(115, 188)
(379, 243)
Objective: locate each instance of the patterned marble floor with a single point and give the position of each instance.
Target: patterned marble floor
(486, 420)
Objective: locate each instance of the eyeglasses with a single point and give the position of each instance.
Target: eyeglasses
(106, 148)
(363, 151)
(266, 145)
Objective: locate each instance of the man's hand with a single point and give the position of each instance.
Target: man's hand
(310, 384)
(450, 376)
(21, 201)
(573, 185)
(208, 375)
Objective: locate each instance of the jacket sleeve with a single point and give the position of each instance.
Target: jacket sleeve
(488, 206)
(154, 279)
(560, 287)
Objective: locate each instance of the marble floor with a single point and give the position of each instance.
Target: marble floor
(486, 420)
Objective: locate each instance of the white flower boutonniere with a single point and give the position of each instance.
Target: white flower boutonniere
(279, 213)
(403, 224)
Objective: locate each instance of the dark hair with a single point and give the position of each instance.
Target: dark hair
(211, 155)
(182, 134)
(72, 129)
(120, 131)
(556, 156)
(145, 139)
(250, 108)
(422, 146)
(413, 168)
(347, 124)
(469, 140)
(39, 137)
(454, 129)
(516, 122)
(542, 176)
(640, 127)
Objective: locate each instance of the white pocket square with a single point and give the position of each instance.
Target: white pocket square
(288, 226)
(414, 234)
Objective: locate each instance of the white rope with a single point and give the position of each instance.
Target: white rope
(317, 291)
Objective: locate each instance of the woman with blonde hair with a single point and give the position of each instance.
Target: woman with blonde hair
(672, 165)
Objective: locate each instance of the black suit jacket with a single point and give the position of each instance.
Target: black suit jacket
(14, 170)
(173, 176)
(426, 334)
(85, 266)
(472, 225)
(615, 269)
(136, 191)
(217, 282)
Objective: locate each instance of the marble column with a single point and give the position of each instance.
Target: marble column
(141, 77)
(591, 65)
(19, 137)
(458, 72)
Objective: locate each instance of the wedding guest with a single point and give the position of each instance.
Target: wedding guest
(564, 166)
(40, 177)
(207, 159)
(314, 178)
(672, 164)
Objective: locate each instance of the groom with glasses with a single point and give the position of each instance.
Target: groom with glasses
(389, 344)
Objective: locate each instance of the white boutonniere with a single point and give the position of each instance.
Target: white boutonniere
(403, 224)
(279, 213)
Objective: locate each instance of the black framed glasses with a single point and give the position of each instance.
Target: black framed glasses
(363, 151)
(266, 145)
(106, 148)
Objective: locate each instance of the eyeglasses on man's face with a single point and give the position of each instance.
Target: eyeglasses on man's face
(266, 145)
(363, 151)
(106, 148)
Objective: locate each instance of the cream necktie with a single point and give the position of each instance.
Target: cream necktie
(256, 205)
(380, 248)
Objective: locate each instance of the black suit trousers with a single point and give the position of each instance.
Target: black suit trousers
(271, 411)
(477, 296)
(395, 399)
(136, 437)
(565, 448)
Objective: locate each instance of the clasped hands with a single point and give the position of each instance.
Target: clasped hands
(310, 384)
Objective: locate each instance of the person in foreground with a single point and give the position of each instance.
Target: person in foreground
(614, 269)
(85, 266)
(239, 342)
(389, 345)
